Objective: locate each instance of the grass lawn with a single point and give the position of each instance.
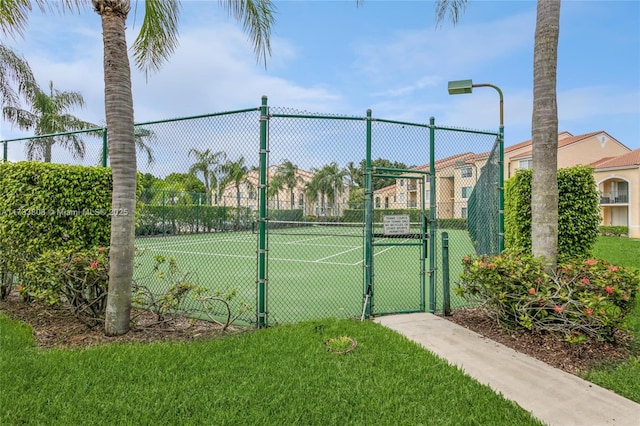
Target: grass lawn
(279, 376)
(619, 251)
(624, 378)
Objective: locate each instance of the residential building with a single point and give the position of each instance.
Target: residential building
(618, 179)
(617, 173)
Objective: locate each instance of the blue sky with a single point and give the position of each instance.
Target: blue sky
(331, 56)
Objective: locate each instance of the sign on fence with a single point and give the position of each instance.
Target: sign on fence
(396, 224)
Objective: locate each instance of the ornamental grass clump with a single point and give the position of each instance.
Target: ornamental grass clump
(588, 298)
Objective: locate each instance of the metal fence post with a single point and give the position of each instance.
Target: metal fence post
(432, 216)
(105, 147)
(446, 296)
(4, 151)
(368, 225)
(262, 320)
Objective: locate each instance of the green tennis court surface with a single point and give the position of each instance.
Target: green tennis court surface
(311, 274)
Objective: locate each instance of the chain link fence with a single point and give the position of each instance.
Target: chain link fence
(306, 215)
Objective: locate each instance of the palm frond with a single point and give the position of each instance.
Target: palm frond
(14, 14)
(451, 8)
(14, 69)
(257, 18)
(158, 37)
(25, 120)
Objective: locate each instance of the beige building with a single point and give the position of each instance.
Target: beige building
(617, 173)
(618, 180)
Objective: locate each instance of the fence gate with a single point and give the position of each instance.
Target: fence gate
(396, 246)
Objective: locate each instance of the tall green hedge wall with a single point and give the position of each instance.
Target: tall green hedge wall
(47, 206)
(578, 212)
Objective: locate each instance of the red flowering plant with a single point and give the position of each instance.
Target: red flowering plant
(77, 280)
(582, 298)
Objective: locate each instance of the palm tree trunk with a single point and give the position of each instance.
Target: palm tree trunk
(47, 150)
(544, 134)
(119, 115)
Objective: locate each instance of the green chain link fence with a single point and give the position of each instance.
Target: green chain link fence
(308, 215)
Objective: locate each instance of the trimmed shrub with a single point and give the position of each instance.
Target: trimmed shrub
(583, 298)
(578, 212)
(614, 231)
(47, 206)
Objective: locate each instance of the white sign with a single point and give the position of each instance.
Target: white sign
(395, 225)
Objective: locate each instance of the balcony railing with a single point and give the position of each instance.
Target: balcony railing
(412, 204)
(614, 198)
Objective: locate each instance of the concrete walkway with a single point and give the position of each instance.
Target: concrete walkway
(552, 395)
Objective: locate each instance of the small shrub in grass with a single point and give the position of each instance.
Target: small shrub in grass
(75, 279)
(583, 298)
(167, 290)
(614, 231)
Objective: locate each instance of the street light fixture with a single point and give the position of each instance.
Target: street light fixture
(460, 87)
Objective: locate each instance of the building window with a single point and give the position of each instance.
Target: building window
(386, 202)
(401, 182)
(466, 172)
(394, 198)
(463, 212)
(525, 164)
(466, 191)
(378, 202)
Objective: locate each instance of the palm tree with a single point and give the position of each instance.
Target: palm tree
(287, 172)
(544, 125)
(49, 113)
(276, 184)
(208, 164)
(155, 43)
(236, 174)
(14, 70)
(328, 182)
(544, 135)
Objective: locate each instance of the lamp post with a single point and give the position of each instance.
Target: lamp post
(459, 87)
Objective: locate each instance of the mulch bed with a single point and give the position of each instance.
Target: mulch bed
(552, 349)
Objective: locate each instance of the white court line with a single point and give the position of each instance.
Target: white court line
(380, 252)
(270, 258)
(169, 244)
(337, 254)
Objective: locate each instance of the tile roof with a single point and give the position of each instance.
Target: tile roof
(568, 140)
(629, 159)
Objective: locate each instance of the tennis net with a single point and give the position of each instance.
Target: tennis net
(338, 229)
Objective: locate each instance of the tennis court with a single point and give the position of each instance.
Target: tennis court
(313, 270)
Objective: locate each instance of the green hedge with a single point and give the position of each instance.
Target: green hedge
(286, 215)
(615, 231)
(191, 219)
(47, 206)
(452, 224)
(578, 212)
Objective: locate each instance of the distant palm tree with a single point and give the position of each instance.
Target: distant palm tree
(236, 174)
(289, 173)
(276, 184)
(328, 183)
(49, 113)
(208, 164)
(14, 71)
